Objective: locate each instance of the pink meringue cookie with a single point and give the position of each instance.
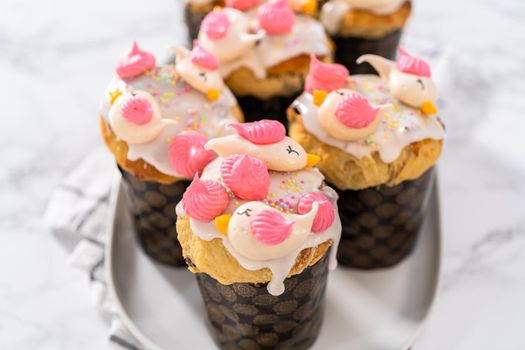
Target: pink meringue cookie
(325, 215)
(242, 5)
(276, 17)
(203, 58)
(216, 24)
(135, 62)
(325, 76)
(246, 177)
(204, 200)
(270, 227)
(186, 153)
(262, 132)
(412, 65)
(354, 111)
(137, 110)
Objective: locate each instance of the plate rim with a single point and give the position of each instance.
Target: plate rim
(117, 192)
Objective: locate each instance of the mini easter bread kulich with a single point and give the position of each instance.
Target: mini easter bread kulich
(196, 10)
(264, 53)
(260, 219)
(155, 120)
(378, 138)
(360, 27)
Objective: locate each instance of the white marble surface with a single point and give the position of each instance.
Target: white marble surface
(55, 58)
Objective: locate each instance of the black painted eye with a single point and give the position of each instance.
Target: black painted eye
(421, 83)
(246, 212)
(203, 76)
(296, 108)
(290, 150)
(340, 93)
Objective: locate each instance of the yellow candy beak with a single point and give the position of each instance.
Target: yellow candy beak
(429, 108)
(221, 222)
(213, 94)
(319, 96)
(311, 160)
(113, 96)
(310, 7)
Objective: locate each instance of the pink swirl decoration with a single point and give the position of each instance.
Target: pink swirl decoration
(412, 65)
(203, 58)
(354, 111)
(242, 4)
(324, 76)
(216, 24)
(325, 215)
(246, 177)
(276, 17)
(137, 110)
(270, 227)
(204, 200)
(186, 153)
(135, 62)
(262, 132)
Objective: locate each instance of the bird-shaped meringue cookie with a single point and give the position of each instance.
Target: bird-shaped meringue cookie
(348, 116)
(198, 68)
(265, 140)
(135, 117)
(408, 80)
(259, 232)
(227, 34)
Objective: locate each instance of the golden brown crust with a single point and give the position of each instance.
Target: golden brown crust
(139, 168)
(284, 79)
(346, 171)
(362, 23)
(212, 258)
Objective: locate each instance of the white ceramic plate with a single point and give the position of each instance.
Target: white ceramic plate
(379, 310)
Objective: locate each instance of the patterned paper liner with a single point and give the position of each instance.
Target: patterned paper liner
(246, 316)
(193, 21)
(152, 206)
(381, 224)
(349, 49)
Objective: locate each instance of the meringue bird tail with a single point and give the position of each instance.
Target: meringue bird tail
(223, 146)
(382, 65)
(179, 51)
(309, 217)
(213, 145)
(250, 39)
